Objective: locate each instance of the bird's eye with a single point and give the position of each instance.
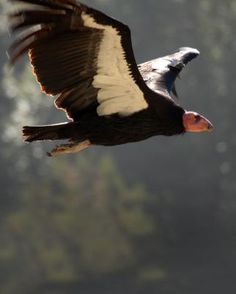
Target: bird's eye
(197, 118)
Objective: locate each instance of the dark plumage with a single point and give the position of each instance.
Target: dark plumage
(86, 58)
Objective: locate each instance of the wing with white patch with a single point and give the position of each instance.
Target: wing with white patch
(80, 54)
(160, 74)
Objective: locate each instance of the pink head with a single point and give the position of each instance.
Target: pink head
(194, 122)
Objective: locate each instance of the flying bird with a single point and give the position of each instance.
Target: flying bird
(85, 59)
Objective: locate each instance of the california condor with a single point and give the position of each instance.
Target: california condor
(86, 58)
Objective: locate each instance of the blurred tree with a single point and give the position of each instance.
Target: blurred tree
(72, 221)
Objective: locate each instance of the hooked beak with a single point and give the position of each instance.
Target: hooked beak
(194, 122)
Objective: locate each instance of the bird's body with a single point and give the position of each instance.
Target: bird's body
(86, 58)
(108, 132)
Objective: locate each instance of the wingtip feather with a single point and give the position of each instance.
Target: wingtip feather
(190, 50)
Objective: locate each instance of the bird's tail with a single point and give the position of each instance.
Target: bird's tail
(48, 132)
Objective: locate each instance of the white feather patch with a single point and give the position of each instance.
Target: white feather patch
(118, 91)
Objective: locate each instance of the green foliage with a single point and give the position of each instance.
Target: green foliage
(79, 220)
(152, 274)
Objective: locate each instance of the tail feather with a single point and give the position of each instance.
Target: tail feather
(48, 132)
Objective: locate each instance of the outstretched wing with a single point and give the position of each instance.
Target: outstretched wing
(80, 54)
(160, 74)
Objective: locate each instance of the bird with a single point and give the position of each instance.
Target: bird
(85, 60)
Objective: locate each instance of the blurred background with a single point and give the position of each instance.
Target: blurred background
(152, 217)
